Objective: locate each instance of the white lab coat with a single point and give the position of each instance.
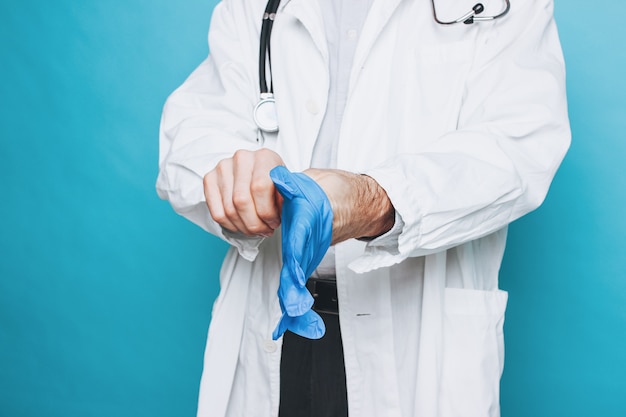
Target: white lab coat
(464, 126)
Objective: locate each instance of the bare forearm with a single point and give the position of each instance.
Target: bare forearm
(361, 207)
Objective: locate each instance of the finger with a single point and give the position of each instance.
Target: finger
(309, 325)
(313, 230)
(225, 182)
(268, 207)
(213, 197)
(296, 299)
(243, 201)
(282, 326)
(299, 238)
(297, 248)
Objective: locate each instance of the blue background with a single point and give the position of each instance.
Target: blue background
(105, 294)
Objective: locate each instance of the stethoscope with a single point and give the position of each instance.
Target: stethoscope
(472, 16)
(265, 115)
(265, 111)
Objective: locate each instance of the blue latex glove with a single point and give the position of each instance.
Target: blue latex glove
(307, 223)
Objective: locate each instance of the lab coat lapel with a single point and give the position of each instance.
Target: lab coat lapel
(300, 62)
(378, 16)
(309, 14)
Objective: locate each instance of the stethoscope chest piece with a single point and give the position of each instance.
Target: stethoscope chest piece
(265, 114)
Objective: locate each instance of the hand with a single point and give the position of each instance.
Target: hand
(361, 207)
(240, 195)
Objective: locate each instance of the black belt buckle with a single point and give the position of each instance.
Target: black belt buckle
(324, 292)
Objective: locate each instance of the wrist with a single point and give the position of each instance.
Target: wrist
(361, 207)
(380, 211)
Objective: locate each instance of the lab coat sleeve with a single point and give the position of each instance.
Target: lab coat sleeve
(207, 119)
(513, 132)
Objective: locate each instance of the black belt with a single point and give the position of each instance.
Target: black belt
(324, 292)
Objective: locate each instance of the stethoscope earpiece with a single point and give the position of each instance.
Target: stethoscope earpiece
(472, 16)
(476, 10)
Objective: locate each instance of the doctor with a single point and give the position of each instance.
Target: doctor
(428, 140)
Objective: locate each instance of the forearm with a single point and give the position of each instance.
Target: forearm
(361, 207)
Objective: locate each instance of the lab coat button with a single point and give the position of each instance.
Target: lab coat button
(270, 346)
(312, 107)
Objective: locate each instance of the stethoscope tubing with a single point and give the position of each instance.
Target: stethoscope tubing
(265, 111)
(264, 48)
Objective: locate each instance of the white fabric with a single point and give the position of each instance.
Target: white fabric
(343, 21)
(464, 127)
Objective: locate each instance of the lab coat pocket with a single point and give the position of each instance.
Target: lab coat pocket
(473, 352)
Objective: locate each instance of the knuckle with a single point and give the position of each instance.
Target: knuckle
(270, 153)
(240, 200)
(261, 185)
(222, 167)
(241, 154)
(219, 215)
(230, 212)
(264, 152)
